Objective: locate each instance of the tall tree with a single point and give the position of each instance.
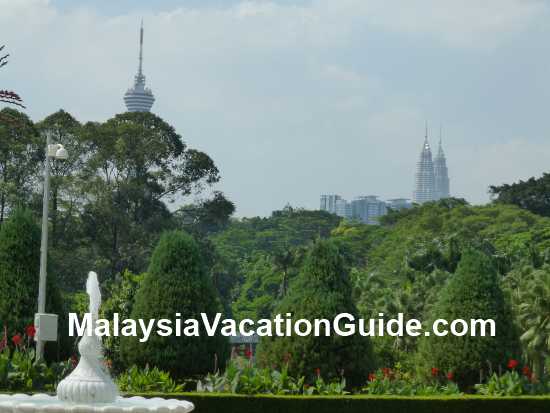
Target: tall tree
(19, 267)
(176, 282)
(21, 153)
(206, 217)
(533, 305)
(65, 130)
(472, 293)
(321, 290)
(137, 163)
(533, 194)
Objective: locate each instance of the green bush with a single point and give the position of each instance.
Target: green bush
(145, 380)
(19, 269)
(321, 290)
(228, 403)
(121, 293)
(176, 282)
(473, 292)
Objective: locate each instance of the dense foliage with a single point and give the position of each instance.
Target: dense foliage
(321, 290)
(472, 293)
(110, 205)
(531, 194)
(176, 282)
(257, 258)
(19, 267)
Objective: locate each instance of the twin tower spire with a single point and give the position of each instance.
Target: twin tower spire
(139, 98)
(432, 176)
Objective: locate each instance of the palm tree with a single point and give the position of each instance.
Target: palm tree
(7, 96)
(534, 317)
(283, 260)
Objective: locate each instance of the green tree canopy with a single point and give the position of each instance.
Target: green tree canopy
(472, 293)
(21, 153)
(321, 290)
(176, 282)
(532, 194)
(137, 162)
(19, 269)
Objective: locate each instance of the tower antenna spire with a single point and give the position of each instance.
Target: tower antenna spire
(140, 49)
(426, 133)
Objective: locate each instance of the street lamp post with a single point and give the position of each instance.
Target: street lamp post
(53, 151)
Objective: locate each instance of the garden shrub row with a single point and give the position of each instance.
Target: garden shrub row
(229, 403)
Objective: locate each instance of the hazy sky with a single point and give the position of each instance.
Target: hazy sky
(297, 98)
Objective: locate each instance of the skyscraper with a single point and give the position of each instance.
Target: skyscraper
(139, 98)
(328, 203)
(368, 209)
(424, 180)
(441, 175)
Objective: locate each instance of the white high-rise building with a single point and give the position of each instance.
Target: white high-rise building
(139, 98)
(368, 209)
(328, 203)
(343, 209)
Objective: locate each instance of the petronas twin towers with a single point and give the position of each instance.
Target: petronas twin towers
(431, 177)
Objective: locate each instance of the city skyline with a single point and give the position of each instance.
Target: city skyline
(315, 98)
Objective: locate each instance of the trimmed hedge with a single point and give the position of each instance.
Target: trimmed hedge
(229, 403)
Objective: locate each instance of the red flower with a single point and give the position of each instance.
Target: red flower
(435, 371)
(450, 375)
(512, 364)
(372, 376)
(526, 372)
(74, 361)
(248, 354)
(386, 371)
(17, 339)
(30, 331)
(318, 372)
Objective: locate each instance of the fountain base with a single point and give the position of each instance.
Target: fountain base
(43, 403)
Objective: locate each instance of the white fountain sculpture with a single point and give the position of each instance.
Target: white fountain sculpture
(89, 388)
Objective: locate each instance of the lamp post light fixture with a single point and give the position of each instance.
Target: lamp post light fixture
(46, 324)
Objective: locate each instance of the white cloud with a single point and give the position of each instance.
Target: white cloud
(290, 100)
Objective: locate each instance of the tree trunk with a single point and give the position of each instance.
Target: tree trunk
(538, 366)
(114, 250)
(2, 206)
(285, 282)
